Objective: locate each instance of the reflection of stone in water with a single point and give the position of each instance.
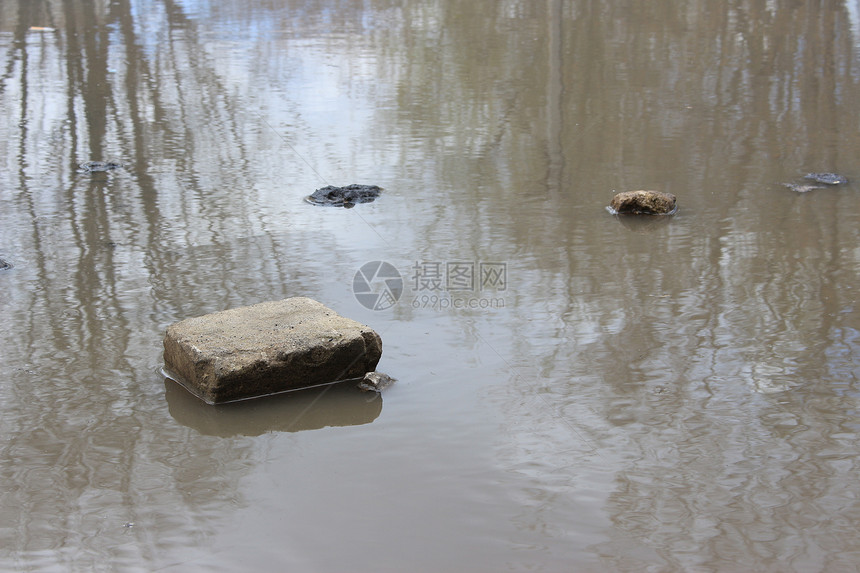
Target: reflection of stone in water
(781, 419)
(802, 187)
(643, 224)
(339, 404)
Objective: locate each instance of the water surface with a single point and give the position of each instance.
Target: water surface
(673, 394)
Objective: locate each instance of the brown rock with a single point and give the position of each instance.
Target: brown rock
(268, 348)
(643, 203)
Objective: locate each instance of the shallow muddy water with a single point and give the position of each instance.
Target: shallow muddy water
(576, 391)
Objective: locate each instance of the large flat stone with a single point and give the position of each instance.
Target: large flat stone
(268, 348)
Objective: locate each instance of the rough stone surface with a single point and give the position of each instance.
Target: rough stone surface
(344, 196)
(98, 166)
(643, 203)
(268, 348)
(826, 178)
(376, 382)
(821, 180)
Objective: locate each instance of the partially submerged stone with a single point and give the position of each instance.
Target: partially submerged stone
(822, 179)
(826, 178)
(344, 196)
(376, 382)
(643, 203)
(268, 348)
(99, 166)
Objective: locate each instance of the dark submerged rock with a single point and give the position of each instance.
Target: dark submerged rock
(346, 197)
(99, 166)
(826, 178)
(643, 203)
(5, 265)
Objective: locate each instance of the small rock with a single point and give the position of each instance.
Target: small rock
(376, 382)
(268, 348)
(5, 265)
(826, 178)
(98, 166)
(344, 196)
(643, 203)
